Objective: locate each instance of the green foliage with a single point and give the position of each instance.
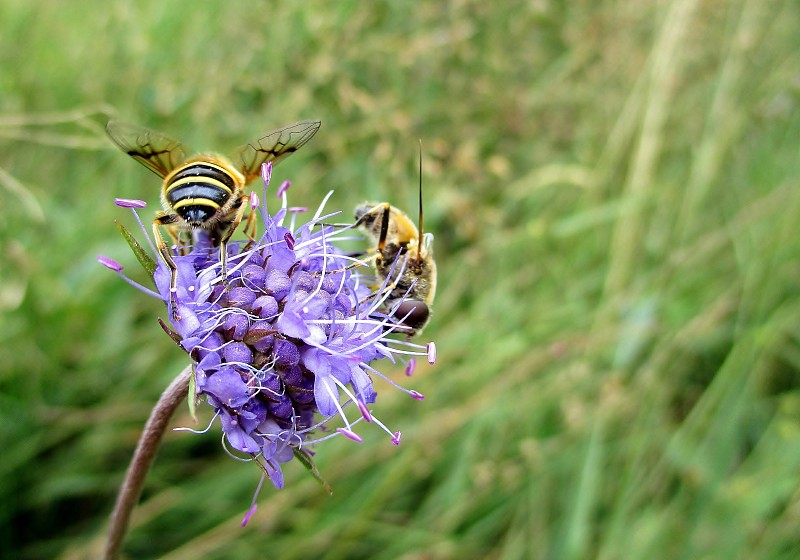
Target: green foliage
(147, 262)
(614, 192)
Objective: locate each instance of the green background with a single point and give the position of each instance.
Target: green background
(614, 188)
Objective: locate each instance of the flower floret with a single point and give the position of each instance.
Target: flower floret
(286, 338)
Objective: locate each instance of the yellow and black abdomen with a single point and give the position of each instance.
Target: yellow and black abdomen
(201, 193)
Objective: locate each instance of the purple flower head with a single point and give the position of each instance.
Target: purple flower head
(283, 347)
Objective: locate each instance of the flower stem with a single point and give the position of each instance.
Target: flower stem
(146, 449)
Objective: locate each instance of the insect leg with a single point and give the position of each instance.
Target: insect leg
(223, 243)
(165, 220)
(250, 229)
(250, 226)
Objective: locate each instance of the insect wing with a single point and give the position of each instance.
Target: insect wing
(159, 153)
(275, 146)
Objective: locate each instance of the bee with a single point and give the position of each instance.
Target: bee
(204, 191)
(403, 260)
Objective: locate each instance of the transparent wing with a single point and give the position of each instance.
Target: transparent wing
(159, 153)
(275, 146)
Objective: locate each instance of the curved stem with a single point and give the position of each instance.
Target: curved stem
(146, 449)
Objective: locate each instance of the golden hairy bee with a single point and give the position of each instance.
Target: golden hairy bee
(204, 191)
(403, 261)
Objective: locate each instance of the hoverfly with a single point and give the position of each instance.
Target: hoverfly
(204, 191)
(406, 252)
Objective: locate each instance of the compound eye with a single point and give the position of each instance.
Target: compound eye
(416, 313)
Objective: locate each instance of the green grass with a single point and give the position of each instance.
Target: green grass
(614, 190)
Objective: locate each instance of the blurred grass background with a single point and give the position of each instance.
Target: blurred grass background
(614, 188)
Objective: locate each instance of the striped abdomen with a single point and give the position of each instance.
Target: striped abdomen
(198, 191)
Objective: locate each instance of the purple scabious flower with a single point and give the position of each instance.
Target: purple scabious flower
(283, 346)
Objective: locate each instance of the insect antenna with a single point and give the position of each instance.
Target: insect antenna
(419, 241)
